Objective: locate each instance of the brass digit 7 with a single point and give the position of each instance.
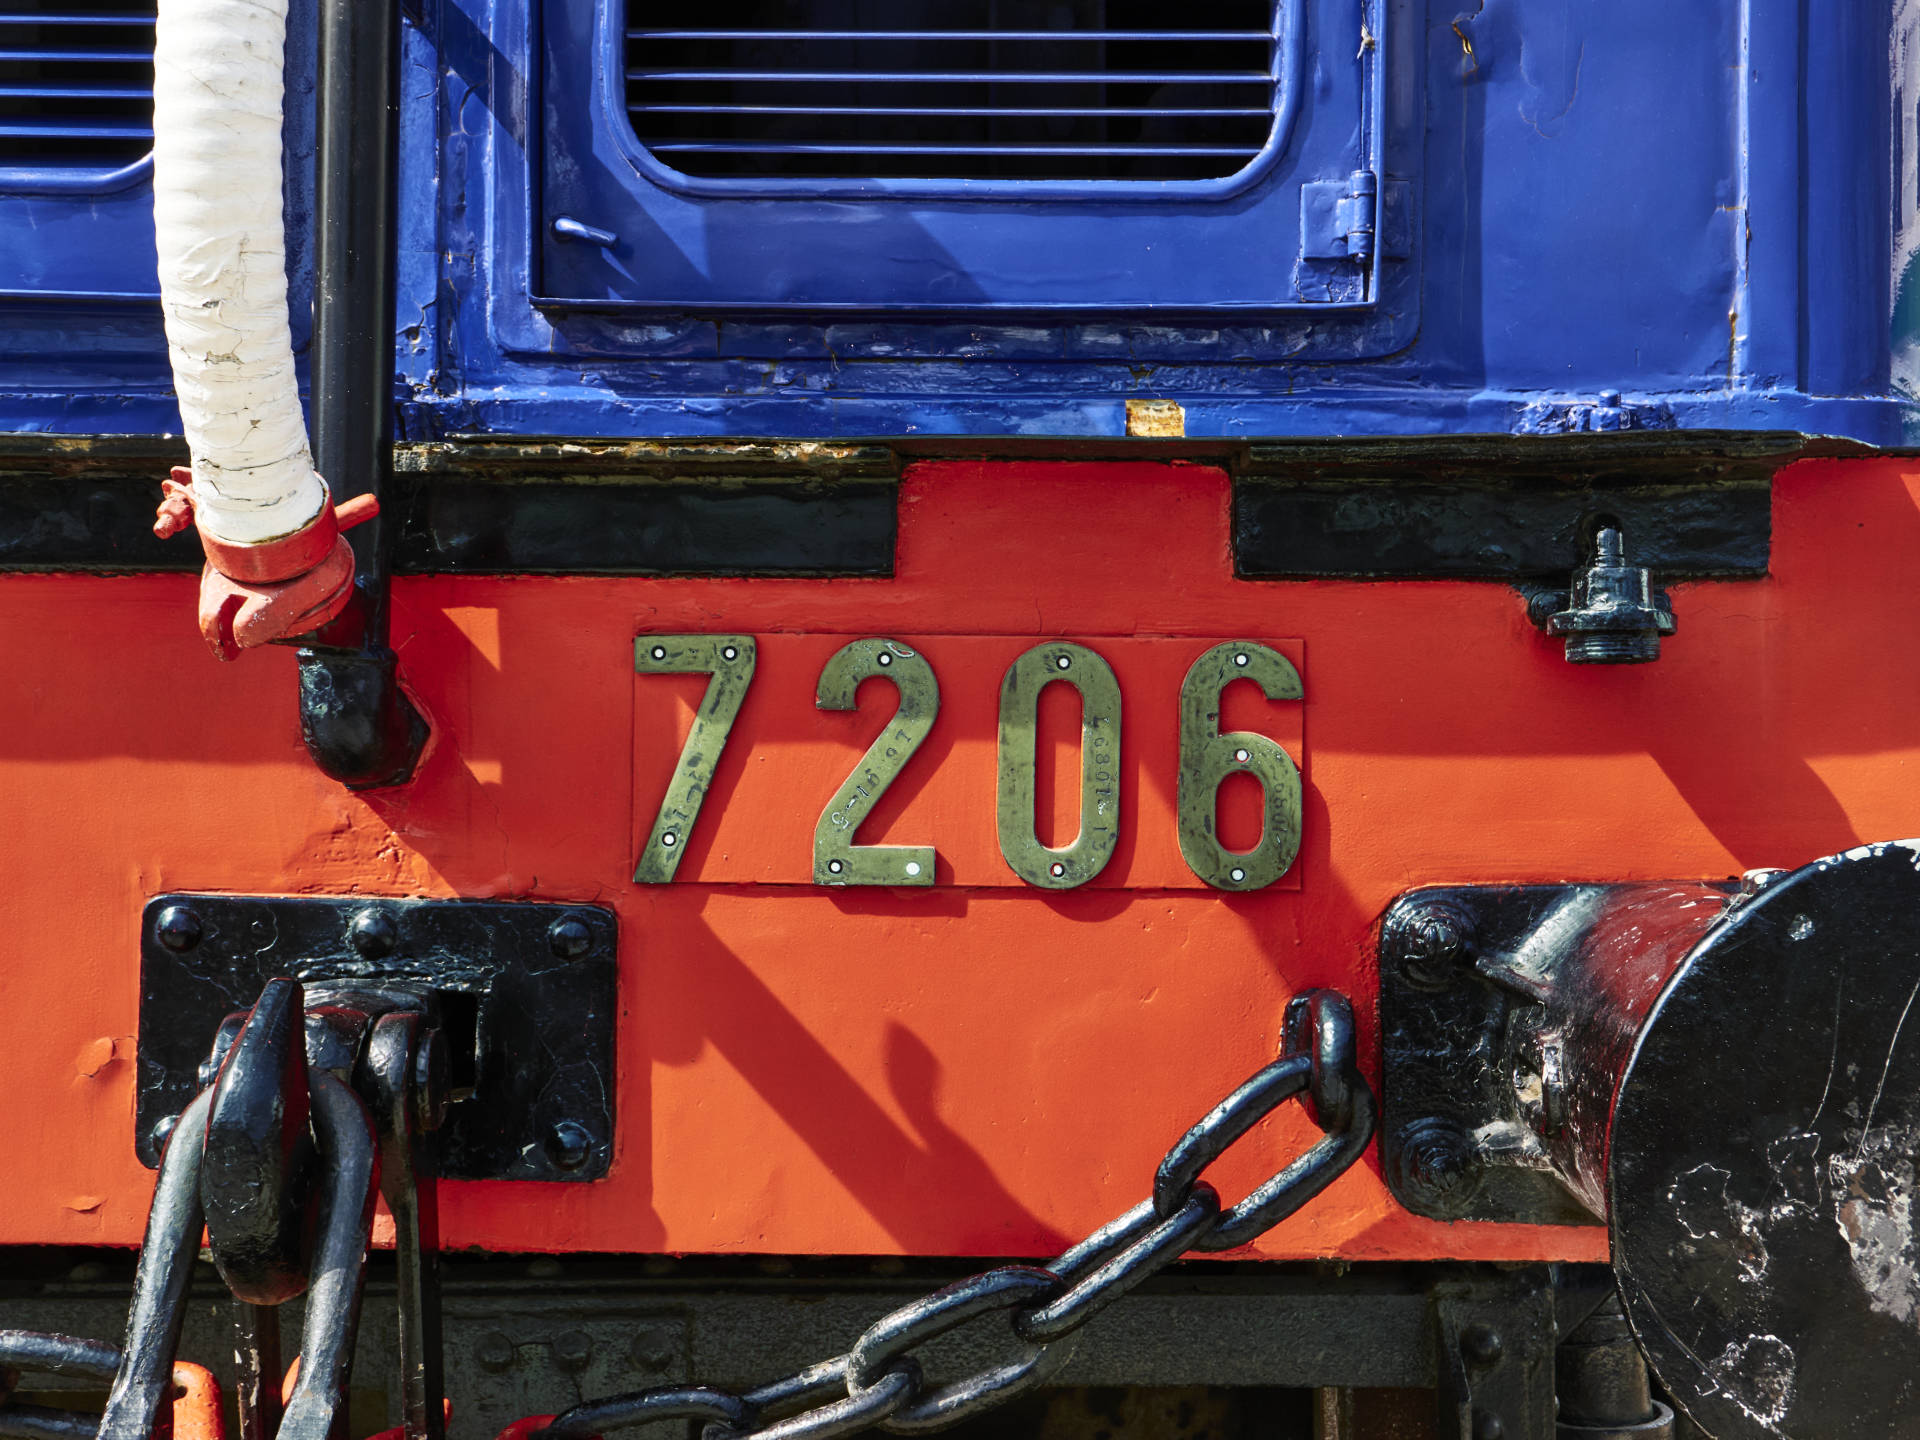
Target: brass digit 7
(729, 660)
(836, 859)
(1207, 757)
(1092, 848)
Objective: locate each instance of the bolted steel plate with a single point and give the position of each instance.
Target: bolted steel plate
(1762, 1172)
(523, 992)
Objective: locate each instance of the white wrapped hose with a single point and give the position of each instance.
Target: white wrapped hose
(217, 90)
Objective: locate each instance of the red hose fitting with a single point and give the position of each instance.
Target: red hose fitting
(252, 594)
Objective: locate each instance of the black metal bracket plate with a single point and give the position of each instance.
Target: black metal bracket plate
(526, 995)
(1455, 1137)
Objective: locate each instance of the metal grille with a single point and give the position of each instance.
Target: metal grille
(76, 84)
(952, 89)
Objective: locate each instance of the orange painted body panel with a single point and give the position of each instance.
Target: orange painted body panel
(984, 1069)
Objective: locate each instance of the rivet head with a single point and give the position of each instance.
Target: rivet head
(1481, 1344)
(569, 937)
(178, 929)
(494, 1352)
(162, 1132)
(569, 1145)
(572, 1350)
(1488, 1427)
(374, 935)
(653, 1348)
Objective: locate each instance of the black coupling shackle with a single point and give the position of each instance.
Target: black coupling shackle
(279, 1159)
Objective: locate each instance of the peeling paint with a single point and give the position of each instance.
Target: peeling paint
(1758, 1375)
(1706, 1211)
(1873, 1207)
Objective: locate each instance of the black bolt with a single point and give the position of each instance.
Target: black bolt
(1487, 1427)
(178, 929)
(1436, 939)
(569, 1145)
(494, 1352)
(374, 934)
(162, 1132)
(1482, 1345)
(572, 1349)
(653, 1348)
(570, 937)
(1435, 1168)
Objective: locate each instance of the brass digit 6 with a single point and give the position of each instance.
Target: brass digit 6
(836, 859)
(1207, 757)
(1092, 848)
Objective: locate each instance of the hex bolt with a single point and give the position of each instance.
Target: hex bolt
(572, 1350)
(374, 935)
(1481, 1344)
(653, 1348)
(569, 937)
(178, 929)
(495, 1352)
(569, 1145)
(1435, 1169)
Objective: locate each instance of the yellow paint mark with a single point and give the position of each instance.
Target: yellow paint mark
(1160, 419)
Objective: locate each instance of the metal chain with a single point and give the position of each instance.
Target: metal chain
(878, 1382)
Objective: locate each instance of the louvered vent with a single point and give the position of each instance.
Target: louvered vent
(76, 84)
(952, 89)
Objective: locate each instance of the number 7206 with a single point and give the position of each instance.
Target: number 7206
(1207, 756)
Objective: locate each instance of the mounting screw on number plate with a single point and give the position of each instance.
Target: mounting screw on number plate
(523, 996)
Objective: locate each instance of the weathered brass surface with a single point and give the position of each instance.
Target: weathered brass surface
(836, 859)
(1207, 757)
(729, 660)
(1092, 848)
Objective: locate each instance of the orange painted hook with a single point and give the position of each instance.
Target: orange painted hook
(196, 1404)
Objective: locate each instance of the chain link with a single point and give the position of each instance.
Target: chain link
(878, 1383)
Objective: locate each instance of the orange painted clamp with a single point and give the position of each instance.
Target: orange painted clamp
(271, 561)
(253, 594)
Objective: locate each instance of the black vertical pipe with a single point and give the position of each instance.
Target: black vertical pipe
(358, 725)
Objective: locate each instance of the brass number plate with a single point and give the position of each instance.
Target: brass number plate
(945, 788)
(729, 659)
(1075, 864)
(836, 859)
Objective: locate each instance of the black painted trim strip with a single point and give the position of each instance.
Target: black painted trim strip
(1522, 508)
(98, 519)
(658, 527)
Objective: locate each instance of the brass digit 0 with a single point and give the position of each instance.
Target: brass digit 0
(729, 660)
(1092, 848)
(1207, 757)
(836, 859)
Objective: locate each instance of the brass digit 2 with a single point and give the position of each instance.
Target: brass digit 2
(836, 859)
